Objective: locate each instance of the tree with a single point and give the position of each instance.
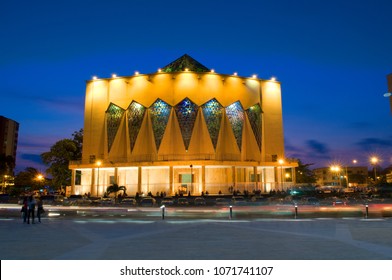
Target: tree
(29, 179)
(115, 189)
(304, 175)
(59, 156)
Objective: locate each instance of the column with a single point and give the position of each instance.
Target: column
(93, 187)
(139, 179)
(256, 177)
(73, 181)
(171, 180)
(234, 177)
(203, 178)
(116, 175)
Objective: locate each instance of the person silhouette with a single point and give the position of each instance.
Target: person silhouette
(31, 209)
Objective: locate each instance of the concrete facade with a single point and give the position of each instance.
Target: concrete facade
(183, 130)
(9, 131)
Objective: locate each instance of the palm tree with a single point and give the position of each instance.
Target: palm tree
(115, 189)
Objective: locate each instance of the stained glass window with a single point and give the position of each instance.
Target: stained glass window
(113, 119)
(135, 114)
(159, 112)
(236, 115)
(186, 112)
(254, 116)
(212, 111)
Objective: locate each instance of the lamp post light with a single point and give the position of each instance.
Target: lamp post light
(39, 179)
(98, 163)
(374, 161)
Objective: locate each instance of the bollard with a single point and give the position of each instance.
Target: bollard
(367, 211)
(231, 212)
(296, 211)
(163, 212)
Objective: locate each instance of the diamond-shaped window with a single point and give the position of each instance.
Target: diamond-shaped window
(135, 114)
(186, 112)
(254, 116)
(236, 115)
(212, 111)
(114, 114)
(159, 112)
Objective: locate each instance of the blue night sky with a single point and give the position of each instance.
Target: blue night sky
(332, 58)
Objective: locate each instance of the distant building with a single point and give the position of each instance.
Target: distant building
(357, 176)
(389, 177)
(9, 130)
(182, 129)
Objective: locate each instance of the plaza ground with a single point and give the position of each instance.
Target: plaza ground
(94, 237)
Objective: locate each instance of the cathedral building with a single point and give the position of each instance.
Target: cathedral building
(182, 129)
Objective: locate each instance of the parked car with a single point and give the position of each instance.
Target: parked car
(339, 202)
(52, 199)
(147, 202)
(238, 200)
(182, 201)
(310, 201)
(167, 201)
(221, 201)
(107, 201)
(199, 201)
(259, 200)
(78, 199)
(128, 202)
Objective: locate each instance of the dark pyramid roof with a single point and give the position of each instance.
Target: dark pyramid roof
(183, 62)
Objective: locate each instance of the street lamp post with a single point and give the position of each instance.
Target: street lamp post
(347, 177)
(191, 166)
(98, 164)
(374, 161)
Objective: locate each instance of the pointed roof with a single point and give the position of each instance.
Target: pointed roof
(185, 62)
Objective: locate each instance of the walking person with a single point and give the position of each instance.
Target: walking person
(31, 210)
(24, 210)
(40, 209)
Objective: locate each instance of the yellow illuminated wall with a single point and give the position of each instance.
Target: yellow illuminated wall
(173, 88)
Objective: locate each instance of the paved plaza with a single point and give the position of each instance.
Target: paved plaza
(116, 238)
